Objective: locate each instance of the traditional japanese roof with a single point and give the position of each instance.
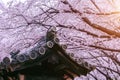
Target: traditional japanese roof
(47, 52)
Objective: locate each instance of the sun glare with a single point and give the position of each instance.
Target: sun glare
(117, 4)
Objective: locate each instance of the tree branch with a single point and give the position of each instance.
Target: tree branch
(96, 26)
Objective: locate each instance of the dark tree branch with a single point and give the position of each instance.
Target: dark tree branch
(108, 31)
(96, 5)
(82, 30)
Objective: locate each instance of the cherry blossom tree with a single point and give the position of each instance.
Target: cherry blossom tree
(90, 28)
